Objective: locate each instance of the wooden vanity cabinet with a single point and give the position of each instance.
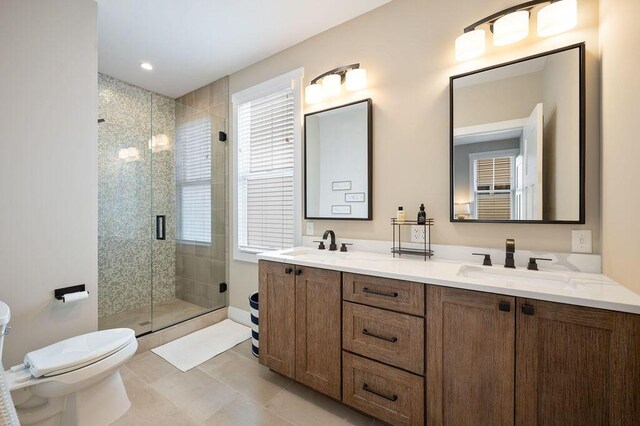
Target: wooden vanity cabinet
(300, 323)
(488, 359)
(576, 365)
(318, 324)
(500, 360)
(277, 287)
(470, 354)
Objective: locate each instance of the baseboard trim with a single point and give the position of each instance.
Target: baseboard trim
(239, 316)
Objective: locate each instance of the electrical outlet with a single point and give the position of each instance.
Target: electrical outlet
(418, 234)
(581, 241)
(310, 228)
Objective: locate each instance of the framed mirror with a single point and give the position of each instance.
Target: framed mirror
(518, 140)
(338, 160)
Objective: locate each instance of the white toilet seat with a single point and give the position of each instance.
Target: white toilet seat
(77, 352)
(90, 372)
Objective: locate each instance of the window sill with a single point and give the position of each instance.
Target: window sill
(249, 256)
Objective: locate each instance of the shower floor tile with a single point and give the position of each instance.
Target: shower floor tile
(164, 313)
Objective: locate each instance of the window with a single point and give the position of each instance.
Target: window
(193, 180)
(266, 173)
(493, 185)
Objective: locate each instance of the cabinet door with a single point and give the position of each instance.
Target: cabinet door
(470, 357)
(576, 365)
(318, 317)
(277, 317)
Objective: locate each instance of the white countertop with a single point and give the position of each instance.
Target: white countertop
(575, 288)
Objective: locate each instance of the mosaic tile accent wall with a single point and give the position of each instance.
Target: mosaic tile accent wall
(134, 184)
(200, 268)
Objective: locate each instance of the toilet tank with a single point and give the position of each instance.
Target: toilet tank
(5, 316)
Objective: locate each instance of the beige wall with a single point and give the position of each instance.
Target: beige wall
(407, 47)
(48, 169)
(561, 137)
(620, 148)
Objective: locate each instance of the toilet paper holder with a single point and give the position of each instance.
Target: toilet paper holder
(60, 292)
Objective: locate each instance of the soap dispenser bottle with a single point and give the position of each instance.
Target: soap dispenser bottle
(422, 215)
(401, 216)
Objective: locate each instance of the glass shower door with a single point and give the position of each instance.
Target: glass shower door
(124, 206)
(188, 211)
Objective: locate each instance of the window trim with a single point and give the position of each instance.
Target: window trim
(291, 80)
(512, 153)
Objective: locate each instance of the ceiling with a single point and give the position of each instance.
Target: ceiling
(191, 43)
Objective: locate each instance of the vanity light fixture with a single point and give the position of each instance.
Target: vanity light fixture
(330, 83)
(511, 28)
(313, 93)
(470, 45)
(146, 66)
(512, 25)
(356, 79)
(557, 17)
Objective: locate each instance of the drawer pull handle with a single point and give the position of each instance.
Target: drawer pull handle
(377, 336)
(375, 392)
(379, 293)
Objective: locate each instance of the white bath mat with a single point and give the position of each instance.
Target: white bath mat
(194, 349)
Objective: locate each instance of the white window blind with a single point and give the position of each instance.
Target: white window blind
(193, 180)
(265, 135)
(494, 188)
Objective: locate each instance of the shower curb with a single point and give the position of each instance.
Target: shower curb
(166, 335)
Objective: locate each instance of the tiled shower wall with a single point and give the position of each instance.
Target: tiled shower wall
(130, 194)
(200, 268)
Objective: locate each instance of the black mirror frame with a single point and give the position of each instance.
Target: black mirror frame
(582, 142)
(369, 162)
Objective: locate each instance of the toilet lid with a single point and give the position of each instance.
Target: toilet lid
(77, 352)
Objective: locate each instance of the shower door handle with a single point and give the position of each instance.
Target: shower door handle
(161, 227)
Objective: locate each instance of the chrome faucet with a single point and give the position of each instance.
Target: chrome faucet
(332, 245)
(511, 249)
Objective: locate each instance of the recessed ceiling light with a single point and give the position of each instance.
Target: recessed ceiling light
(146, 66)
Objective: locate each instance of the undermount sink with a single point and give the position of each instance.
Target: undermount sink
(513, 276)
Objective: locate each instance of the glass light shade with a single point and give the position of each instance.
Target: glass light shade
(511, 28)
(557, 17)
(356, 79)
(313, 93)
(331, 85)
(470, 45)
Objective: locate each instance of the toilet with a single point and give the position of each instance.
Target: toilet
(73, 382)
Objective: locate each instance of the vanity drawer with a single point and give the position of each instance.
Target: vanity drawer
(401, 296)
(390, 394)
(390, 337)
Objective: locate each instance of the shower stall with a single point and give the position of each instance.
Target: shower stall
(161, 205)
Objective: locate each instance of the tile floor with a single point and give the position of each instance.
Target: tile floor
(230, 389)
(164, 313)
